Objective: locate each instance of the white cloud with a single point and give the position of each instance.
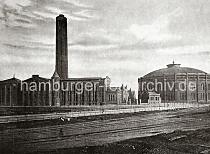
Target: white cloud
(92, 47)
(72, 17)
(158, 31)
(85, 13)
(78, 3)
(194, 49)
(44, 14)
(15, 3)
(54, 10)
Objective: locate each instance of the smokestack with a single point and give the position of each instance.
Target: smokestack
(61, 47)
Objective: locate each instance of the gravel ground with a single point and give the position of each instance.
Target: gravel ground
(177, 142)
(181, 131)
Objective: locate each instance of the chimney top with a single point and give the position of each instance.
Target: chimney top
(61, 16)
(35, 76)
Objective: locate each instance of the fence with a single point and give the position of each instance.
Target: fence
(68, 115)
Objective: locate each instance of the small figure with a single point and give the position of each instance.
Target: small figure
(62, 119)
(61, 132)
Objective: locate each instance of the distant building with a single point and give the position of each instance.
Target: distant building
(74, 91)
(132, 97)
(118, 96)
(95, 95)
(10, 94)
(150, 97)
(125, 95)
(36, 92)
(177, 84)
(114, 95)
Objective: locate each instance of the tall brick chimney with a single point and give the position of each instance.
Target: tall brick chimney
(61, 47)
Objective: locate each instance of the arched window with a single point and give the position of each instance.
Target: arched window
(183, 86)
(202, 86)
(159, 88)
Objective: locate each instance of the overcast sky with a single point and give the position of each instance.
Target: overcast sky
(122, 39)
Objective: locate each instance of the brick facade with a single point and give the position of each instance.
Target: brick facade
(178, 84)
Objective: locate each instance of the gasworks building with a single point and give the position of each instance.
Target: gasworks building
(39, 91)
(176, 84)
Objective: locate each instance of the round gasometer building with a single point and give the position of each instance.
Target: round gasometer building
(176, 84)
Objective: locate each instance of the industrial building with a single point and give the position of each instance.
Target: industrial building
(60, 90)
(176, 84)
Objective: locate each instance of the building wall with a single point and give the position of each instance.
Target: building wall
(36, 92)
(132, 97)
(171, 92)
(125, 95)
(77, 96)
(113, 96)
(10, 92)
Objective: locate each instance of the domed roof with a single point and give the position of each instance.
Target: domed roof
(173, 69)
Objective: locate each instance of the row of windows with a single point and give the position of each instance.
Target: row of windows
(6, 95)
(154, 98)
(170, 96)
(73, 96)
(33, 99)
(193, 96)
(182, 86)
(182, 96)
(201, 96)
(112, 98)
(203, 86)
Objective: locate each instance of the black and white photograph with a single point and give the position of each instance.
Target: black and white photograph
(104, 77)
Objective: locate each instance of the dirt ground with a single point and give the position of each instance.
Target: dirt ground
(177, 142)
(181, 131)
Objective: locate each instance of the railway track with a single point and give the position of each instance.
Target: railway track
(84, 123)
(147, 124)
(148, 130)
(112, 123)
